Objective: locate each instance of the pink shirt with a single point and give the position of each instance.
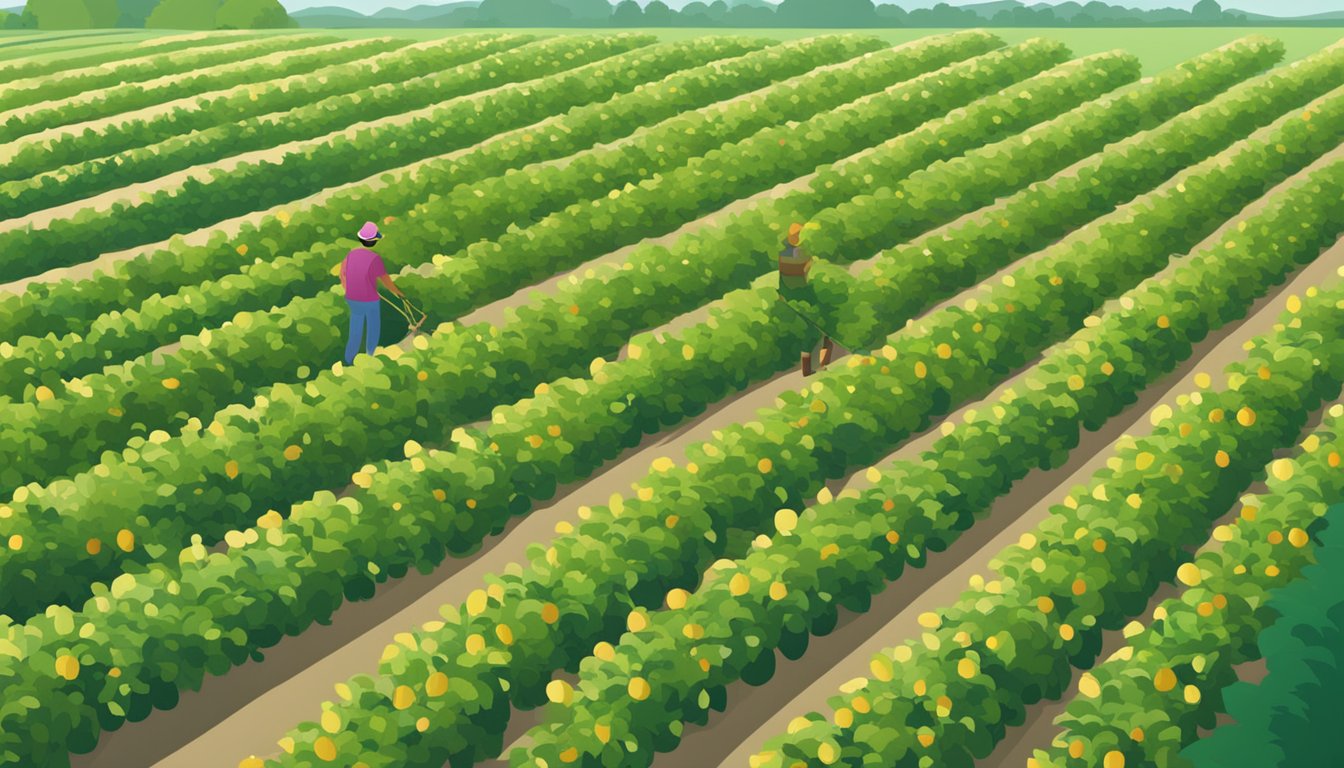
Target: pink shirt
(362, 270)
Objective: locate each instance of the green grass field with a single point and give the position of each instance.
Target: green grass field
(1156, 48)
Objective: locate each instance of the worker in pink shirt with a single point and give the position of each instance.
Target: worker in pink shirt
(361, 272)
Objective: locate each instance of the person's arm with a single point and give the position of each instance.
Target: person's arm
(386, 280)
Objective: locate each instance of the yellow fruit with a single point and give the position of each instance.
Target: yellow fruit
(1088, 686)
(421, 725)
(1079, 586)
(1114, 759)
(403, 697)
(1222, 459)
(1189, 574)
(1295, 302)
(569, 755)
(1245, 417)
(778, 591)
(636, 621)
(125, 540)
(1164, 680)
(764, 465)
(944, 351)
(171, 383)
(67, 666)
(1282, 470)
(739, 584)
(786, 520)
(1045, 604)
(844, 717)
(436, 685)
(93, 546)
(1297, 537)
(1136, 734)
(1066, 632)
(504, 633)
(560, 692)
(476, 602)
(1163, 322)
(251, 762)
(231, 469)
(826, 753)
(331, 722)
(1143, 461)
(602, 732)
(44, 393)
(967, 668)
(1076, 748)
(921, 370)
(925, 739)
(325, 749)
(929, 620)
(676, 599)
(293, 452)
(1075, 382)
(1191, 694)
(639, 688)
(550, 613)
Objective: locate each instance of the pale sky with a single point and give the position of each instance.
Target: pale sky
(1276, 7)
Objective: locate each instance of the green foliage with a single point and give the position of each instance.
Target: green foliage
(842, 551)
(71, 97)
(252, 14)
(1014, 639)
(183, 14)
(1166, 687)
(481, 210)
(58, 14)
(320, 164)
(359, 82)
(845, 132)
(1278, 722)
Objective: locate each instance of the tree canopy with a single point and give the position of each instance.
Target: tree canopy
(156, 14)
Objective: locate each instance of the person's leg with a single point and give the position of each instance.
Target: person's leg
(356, 328)
(374, 327)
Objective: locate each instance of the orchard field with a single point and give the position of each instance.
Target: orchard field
(1082, 424)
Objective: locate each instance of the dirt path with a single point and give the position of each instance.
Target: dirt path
(844, 654)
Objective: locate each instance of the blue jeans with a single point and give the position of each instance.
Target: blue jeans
(365, 319)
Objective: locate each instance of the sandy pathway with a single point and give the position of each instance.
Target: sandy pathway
(844, 654)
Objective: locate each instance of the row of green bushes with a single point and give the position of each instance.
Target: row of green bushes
(430, 528)
(947, 697)
(1276, 721)
(467, 370)
(553, 74)
(20, 67)
(852, 307)
(487, 208)
(51, 171)
(680, 519)
(146, 688)
(843, 551)
(301, 54)
(69, 305)
(1156, 694)
(192, 70)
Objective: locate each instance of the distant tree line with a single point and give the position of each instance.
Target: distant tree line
(831, 13)
(152, 14)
